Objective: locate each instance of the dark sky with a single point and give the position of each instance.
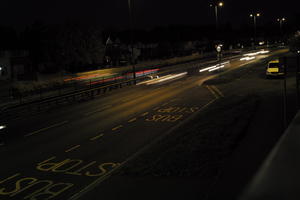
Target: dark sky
(148, 13)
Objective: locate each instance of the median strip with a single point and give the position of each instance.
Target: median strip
(47, 128)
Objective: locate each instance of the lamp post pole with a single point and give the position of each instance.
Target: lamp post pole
(216, 6)
(130, 7)
(254, 16)
(281, 21)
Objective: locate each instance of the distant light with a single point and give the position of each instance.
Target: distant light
(207, 68)
(251, 15)
(221, 4)
(258, 14)
(214, 69)
(2, 127)
(261, 43)
(247, 58)
(298, 51)
(0, 68)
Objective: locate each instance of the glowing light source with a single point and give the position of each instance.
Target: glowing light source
(214, 69)
(247, 58)
(2, 127)
(214, 66)
(163, 78)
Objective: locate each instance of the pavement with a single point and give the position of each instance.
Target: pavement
(69, 152)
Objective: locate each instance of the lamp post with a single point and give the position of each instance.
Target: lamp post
(130, 8)
(254, 16)
(216, 6)
(281, 21)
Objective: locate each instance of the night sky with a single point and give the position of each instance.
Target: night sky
(148, 13)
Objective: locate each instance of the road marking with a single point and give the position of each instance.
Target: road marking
(47, 128)
(217, 90)
(99, 180)
(132, 120)
(72, 148)
(96, 137)
(156, 108)
(99, 110)
(144, 114)
(117, 127)
(213, 92)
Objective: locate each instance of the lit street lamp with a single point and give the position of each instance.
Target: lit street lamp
(216, 6)
(254, 16)
(281, 21)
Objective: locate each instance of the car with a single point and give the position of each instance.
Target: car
(274, 69)
(2, 134)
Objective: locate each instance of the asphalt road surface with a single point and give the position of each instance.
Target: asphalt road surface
(65, 152)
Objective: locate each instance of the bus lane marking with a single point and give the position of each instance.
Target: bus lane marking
(171, 114)
(76, 167)
(144, 114)
(31, 188)
(98, 181)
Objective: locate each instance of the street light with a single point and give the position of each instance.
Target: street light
(130, 8)
(217, 5)
(281, 21)
(254, 16)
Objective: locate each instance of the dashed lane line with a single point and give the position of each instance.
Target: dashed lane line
(117, 127)
(72, 148)
(96, 137)
(47, 128)
(132, 120)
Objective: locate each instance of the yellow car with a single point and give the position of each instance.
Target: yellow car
(274, 69)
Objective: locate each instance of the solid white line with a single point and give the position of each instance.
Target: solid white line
(213, 92)
(44, 129)
(217, 90)
(98, 110)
